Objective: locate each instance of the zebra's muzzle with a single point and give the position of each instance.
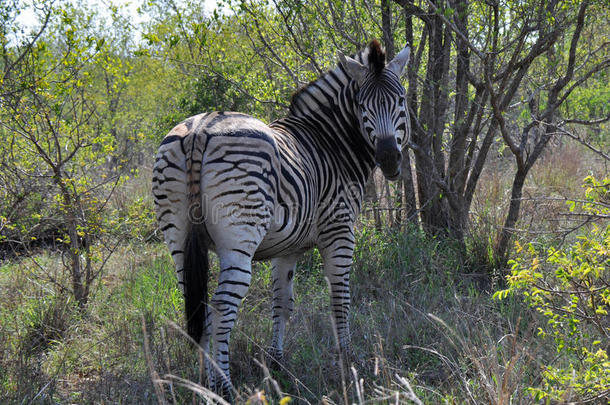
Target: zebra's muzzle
(388, 157)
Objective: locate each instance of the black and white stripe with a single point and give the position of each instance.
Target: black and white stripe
(250, 191)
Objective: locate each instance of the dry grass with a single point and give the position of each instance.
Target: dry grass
(544, 214)
(99, 355)
(424, 325)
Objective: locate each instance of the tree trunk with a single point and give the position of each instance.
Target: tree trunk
(389, 202)
(502, 245)
(429, 158)
(386, 25)
(370, 195)
(79, 288)
(407, 175)
(456, 176)
(76, 271)
(409, 189)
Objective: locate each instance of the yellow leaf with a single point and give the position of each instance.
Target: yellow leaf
(518, 246)
(535, 263)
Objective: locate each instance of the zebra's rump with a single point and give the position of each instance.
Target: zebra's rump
(221, 169)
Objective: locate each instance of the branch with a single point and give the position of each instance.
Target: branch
(455, 29)
(580, 22)
(295, 40)
(499, 117)
(29, 45)
(282, 63)
(584, 143)
(587, 122)
(597, 68)
(357, 21)
(415, 10)
(336, 26)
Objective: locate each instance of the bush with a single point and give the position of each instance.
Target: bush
(570, 288)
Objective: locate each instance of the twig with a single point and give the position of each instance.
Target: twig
(583, 142)
(410, 394)
(151, 368)
(196, 388)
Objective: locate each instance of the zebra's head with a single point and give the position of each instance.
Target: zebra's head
(380, 104)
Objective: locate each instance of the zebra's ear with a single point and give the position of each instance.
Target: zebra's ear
(399, 62)
(355, 69)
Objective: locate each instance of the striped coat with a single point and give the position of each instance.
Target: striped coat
(228, 182)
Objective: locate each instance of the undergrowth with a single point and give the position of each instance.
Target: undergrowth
(423, 321)
(417, 315)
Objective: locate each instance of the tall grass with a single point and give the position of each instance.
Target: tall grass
(424, 326)
(54, 353)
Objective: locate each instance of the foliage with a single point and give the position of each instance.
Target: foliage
(520, 57)
(570, 289)
(55, 132)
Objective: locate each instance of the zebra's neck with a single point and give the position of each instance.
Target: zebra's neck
(324, 113)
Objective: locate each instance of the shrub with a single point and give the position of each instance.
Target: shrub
(570, 288)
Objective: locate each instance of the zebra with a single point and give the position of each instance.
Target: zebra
(226, 181)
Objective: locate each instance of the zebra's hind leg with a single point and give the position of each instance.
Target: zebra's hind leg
(233, 282)
(283, 302)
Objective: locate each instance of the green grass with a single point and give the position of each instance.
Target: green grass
(55, 353)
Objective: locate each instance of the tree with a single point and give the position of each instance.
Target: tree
(495, 50)
(545, 102)
(569, 288)
(476, 69)
(53, 132)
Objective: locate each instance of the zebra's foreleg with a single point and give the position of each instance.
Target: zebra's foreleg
(283, 301)
(337, 265)
(233, 282)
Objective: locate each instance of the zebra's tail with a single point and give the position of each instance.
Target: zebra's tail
(196, 264)
(195, 274)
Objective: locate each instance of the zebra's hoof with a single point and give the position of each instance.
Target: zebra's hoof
(340, 364)
(347, 356)
(223, 388)
(274, 359)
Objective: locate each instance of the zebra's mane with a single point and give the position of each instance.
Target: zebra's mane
(372, 56)
(376, 57)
